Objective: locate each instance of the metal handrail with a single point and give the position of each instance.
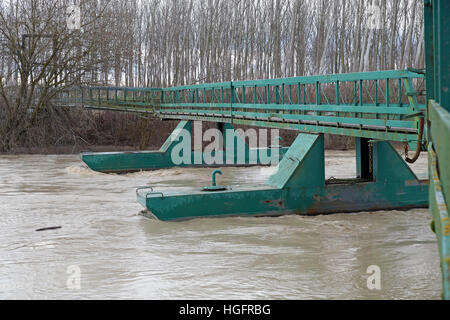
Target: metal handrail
(143, 188)
(153, 193)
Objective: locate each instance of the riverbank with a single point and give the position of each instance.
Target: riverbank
(331, 143)
(68, 149)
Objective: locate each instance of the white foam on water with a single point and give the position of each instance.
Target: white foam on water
(81, 171)
(157, 173)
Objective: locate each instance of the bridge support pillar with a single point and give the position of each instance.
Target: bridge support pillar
(298, 186)
(177, 152)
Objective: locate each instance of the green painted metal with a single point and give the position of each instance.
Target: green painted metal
(439, 170)
(303, 164)
(273, 103)
(138, 160)
(440, 219)
(437, 58)
(304, 104)
(214, 187)
(440, 135)
(388, 165)
(120, 162)
(299, 187)
(214, 177)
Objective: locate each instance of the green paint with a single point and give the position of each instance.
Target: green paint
(369, 118)
(299, 187)
(214, 187)
(152, 160)
(437, 50)
(303, 164)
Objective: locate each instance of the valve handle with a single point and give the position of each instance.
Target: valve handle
(214, 176)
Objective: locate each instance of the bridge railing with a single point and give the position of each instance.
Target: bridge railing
(437, 52)
(381, 105)
(110, 98)
(355, 101)
(120, 98)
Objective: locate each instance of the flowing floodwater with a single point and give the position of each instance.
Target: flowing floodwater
(121, 254)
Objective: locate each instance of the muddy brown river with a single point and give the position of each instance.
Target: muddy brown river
(106, 250)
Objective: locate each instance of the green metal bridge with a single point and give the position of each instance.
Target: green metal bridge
(380, 105)
(437, 50)
(374, 107)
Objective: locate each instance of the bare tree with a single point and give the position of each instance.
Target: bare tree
(46, 58)
(158, 43)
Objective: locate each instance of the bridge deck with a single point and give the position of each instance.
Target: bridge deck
(380, 105)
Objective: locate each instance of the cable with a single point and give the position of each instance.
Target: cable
(419, 144)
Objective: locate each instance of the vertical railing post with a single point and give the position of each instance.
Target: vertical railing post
(376, 93)
(360, 97)
(265, 95)
(304, 93)
(277, 94)
(290, 94)
(336, 98)
(387, 92)
(376, 97)
(318, 96)
(360, 92)
(231, 100)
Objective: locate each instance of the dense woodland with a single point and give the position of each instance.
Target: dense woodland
(156, 43)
